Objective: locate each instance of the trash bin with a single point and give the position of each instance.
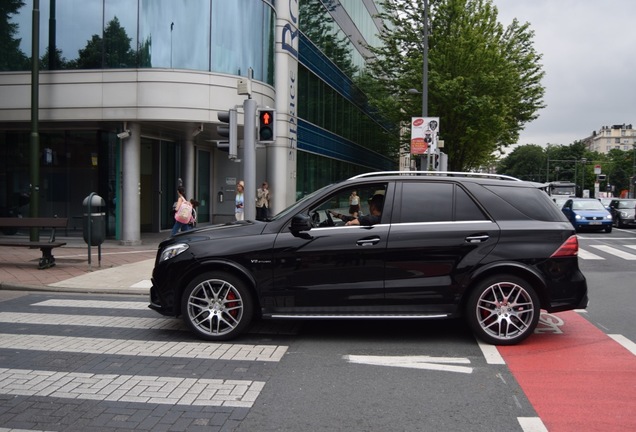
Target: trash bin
(94, 220)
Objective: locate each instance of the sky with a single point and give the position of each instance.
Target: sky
(589, 60)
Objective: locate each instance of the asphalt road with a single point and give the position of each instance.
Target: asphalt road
(105, 363)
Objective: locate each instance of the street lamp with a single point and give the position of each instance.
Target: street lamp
(424, 91)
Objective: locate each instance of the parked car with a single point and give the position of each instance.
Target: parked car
(494, 250)
(622, 211)
(587, 213)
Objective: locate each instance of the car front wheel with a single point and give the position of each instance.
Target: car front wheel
(217, 306)
(503, 310)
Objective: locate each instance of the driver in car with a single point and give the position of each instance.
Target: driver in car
(375, 208)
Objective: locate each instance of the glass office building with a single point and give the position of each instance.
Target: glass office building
(129, 92)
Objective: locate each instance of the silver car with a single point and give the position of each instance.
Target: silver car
(622, 211)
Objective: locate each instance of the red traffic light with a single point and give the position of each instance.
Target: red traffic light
(266, 117)
(266, 121)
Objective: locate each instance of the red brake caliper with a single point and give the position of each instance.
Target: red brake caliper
(232, 296)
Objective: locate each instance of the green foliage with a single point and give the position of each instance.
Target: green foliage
(525, 162)
(113, 51)
(484, 79)
(570, 163)
(11, 56)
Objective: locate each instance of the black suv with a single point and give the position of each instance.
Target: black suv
(491, 248)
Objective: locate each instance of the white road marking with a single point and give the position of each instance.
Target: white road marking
(583, 254)
(531, 424)
(616, 252)
(414, 362)
(146, 283)
(130, 388)
(96, 304)
(92, 321)
(629, 345)
(199, 350)
(491, 353)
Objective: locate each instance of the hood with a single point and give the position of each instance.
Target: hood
(217, 231)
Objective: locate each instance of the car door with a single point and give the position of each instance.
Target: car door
(438, 235)
(331, 268)
(567, 211)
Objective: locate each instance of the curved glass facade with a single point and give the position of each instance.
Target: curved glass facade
(335, 121)
(208, 35)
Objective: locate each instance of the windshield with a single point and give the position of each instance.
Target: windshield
(629, 204)
(587, 205)
(292, 208)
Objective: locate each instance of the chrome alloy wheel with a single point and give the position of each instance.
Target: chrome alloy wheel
(506, 312)
(215, 308)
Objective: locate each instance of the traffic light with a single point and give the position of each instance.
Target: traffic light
(266, 123)
(230, 132)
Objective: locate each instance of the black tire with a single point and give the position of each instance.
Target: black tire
(503, 310)
(608, 229)
(217, 306)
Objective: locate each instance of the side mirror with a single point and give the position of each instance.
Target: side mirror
(300, 222)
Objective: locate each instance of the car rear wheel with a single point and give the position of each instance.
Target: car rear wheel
(503, 310)
(217, 306)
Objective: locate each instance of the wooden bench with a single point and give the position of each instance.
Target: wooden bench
(46, 247)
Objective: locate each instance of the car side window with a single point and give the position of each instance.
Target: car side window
(437, 202)
(345, 205)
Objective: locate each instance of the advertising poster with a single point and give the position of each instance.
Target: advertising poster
(424, 134)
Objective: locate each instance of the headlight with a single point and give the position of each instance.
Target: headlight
(577, 217)
(624, 215)
(173, 251)
(609, 216)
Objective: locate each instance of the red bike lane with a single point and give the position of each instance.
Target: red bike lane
(577, 381)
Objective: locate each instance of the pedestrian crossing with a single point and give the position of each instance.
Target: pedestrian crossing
(118, 356)
(604, 252)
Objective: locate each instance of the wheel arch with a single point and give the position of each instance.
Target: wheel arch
(217, 265)
(516, 269)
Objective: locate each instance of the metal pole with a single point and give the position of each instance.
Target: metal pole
(425, 76)
(34, 157)
(249, 158)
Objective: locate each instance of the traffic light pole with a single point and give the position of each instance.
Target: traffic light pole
(249, 158)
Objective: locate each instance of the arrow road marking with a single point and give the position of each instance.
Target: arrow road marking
(414, 362)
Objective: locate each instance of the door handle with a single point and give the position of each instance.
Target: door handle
(368, 242)
(477, 238)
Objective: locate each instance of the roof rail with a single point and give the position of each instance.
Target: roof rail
(435, 173)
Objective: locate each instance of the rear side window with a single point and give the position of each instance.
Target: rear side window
(436, 202)
(523, 203)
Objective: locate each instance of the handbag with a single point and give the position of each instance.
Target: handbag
(184, 213)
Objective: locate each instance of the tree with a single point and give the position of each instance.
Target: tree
(526, 162)
(11, 56)
(484, 79)
(113, 51)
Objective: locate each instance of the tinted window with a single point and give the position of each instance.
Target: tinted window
(436, 202)
(465, 207)
(529, 203)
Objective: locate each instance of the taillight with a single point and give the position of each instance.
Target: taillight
(569, 248)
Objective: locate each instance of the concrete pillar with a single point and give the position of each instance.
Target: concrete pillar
(187, 168)
(131, 184)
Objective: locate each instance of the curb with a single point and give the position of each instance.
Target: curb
(74, 290)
